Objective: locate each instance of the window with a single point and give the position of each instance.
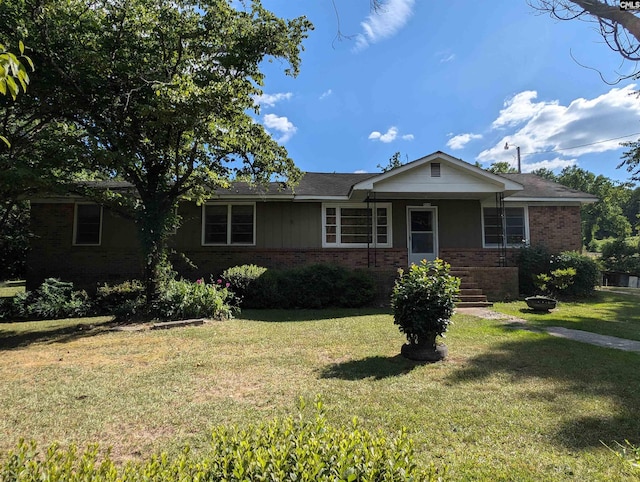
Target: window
(224, 224)
(435, 169)
(87, 227)
(514, 228)
(355, 225)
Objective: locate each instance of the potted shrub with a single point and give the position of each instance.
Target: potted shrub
(423, 300)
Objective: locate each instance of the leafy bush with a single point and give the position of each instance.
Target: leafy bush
(124, 300)
(241, 278)
(536, 261)
(555, 282)
(314, 286)
(423, 300)
(185, 299)
(532, 261)
(587, 275)
(284, 449)
(52, 299)
(621, 255)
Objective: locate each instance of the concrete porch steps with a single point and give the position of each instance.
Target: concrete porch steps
(471, 296)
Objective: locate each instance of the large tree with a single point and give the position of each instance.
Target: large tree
(159, 94)
(620, 29)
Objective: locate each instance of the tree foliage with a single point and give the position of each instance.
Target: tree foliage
(394, 161)
(502, 167)
(157, 93)
(606, 217)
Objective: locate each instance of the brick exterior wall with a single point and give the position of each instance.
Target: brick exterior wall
(476, 257)
(558, 228)
(118, 258)
(498, 284)
(214, 260)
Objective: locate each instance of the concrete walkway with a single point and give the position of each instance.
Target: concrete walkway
(576, 335)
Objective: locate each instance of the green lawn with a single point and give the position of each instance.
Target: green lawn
(607, 313)
(507, 405)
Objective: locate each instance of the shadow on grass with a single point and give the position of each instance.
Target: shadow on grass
(376, 367)
(277, 315)
(584, 370)
(42, 332)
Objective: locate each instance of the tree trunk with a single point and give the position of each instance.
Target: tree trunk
(152, 225)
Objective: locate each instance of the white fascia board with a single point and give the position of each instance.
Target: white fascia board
(552, 200)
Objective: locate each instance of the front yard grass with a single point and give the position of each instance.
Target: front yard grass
(507, 404)
(606, 313)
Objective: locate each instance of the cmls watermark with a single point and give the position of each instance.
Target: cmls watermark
(629, 5)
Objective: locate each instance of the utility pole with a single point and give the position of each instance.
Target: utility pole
(507, 146)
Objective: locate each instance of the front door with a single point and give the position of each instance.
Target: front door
(422, 239)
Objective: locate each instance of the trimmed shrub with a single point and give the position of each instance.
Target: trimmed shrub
(185, 299)
(52, 299)
(423, 300)
(587, 275)
(241, 278)
(314, 286)
(124, 300)
(284, 449)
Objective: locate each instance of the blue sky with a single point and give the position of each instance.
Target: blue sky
(461, 76)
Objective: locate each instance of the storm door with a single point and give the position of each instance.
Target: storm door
(422, 242)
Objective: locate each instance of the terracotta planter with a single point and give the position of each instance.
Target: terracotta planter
(541, 303)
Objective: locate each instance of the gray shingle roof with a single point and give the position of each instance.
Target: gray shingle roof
(538, 187)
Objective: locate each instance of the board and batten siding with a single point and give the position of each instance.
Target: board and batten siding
(451, 180)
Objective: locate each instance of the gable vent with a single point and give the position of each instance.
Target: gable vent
(435, 169)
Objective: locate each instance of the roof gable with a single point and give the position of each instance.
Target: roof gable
(455, 176)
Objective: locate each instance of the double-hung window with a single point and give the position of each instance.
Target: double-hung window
(87, 225)
(513, 228)
(356, 225)
(229, 224)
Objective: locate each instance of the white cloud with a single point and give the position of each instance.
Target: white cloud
(384, 23)
(447, 58)
(550, 164)
(360, 171)
(326, 94)
(461, 140)
(520, 108)
(387, 137)
(408, 137)
(584, 126)
(280, 124)
(271, 99)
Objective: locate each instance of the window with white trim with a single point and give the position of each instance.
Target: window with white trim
(514, 227)
(229, 224)
(87, 225)
(356, 225)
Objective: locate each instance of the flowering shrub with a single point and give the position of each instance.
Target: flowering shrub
(423, 300)
(185, 299)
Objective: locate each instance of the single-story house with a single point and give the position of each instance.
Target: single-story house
(436, 206)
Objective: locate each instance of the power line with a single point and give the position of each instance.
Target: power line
(582, 145)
